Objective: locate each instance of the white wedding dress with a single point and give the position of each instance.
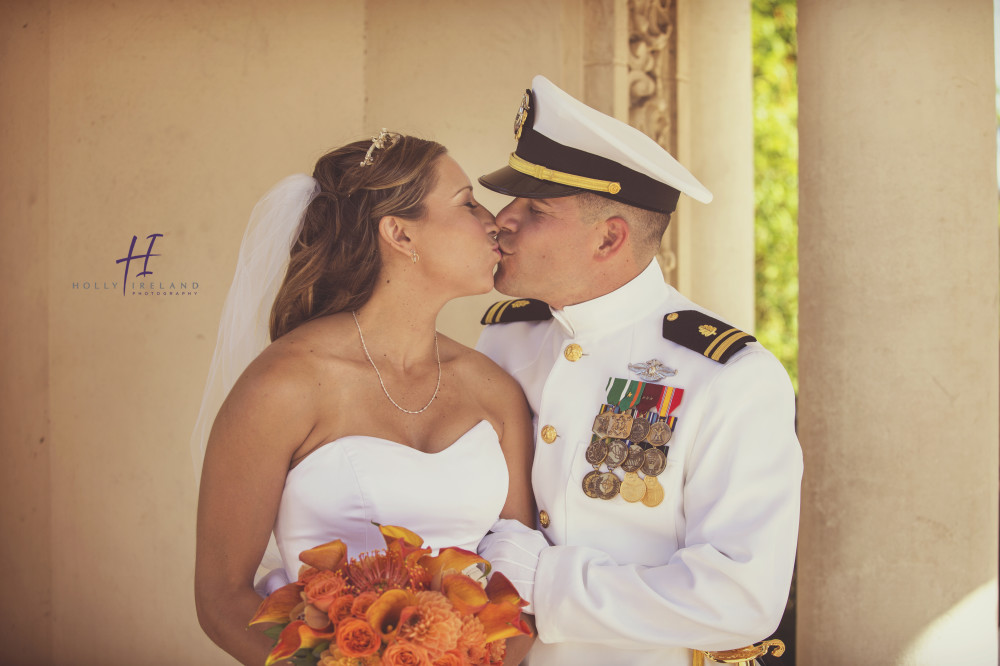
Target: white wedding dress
(338, 491)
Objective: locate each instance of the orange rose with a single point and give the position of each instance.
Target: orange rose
(334, 657)
(362, 602)
(323, 588)
(340, 608)
(357, 638)
(402, 653)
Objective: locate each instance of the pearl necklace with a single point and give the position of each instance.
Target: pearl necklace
(378, 374)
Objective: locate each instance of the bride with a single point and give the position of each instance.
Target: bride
(358, 411)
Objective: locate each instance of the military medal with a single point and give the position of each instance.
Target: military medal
(621, 426)
(659, 433)
(633, 461)
(633, 488)
(601, 423)
(617, 452)
(590, 484)
(654, 491)
(640, 429)
(608, 485)
(596, 452)
(655, 461)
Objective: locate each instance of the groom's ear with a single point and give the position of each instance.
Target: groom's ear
(393, 230)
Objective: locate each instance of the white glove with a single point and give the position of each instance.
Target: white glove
(512, 549)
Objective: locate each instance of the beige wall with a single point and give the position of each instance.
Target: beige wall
(173, 119)
(122, 119)
(25, 502)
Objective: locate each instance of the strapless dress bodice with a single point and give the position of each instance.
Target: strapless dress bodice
(450, 498)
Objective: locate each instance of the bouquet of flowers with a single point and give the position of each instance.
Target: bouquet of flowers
(399, 606)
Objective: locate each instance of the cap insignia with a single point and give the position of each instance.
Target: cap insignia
(522, 116)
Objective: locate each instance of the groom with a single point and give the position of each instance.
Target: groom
(666, 467)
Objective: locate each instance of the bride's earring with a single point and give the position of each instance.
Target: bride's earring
(414, 256)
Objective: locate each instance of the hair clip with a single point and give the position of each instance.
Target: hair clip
(385, 139)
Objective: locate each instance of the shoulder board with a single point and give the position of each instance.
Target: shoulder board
(519, 309)
(706, 335)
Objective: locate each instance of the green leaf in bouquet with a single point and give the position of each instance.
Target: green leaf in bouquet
(274, 631)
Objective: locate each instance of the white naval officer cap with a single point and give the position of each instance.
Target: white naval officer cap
(564, 147)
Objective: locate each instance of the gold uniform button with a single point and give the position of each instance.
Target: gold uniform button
(672, 316)
(543, 518)
(549, 434)
(573, 352)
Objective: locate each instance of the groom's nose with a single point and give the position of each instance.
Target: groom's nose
(509, 217)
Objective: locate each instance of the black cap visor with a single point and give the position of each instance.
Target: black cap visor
(513, 183)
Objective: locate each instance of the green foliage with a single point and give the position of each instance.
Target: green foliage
(776, 156)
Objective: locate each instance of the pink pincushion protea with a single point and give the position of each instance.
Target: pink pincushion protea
(378, 572)
(400, 606)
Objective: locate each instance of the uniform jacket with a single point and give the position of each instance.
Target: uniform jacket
(709, 567)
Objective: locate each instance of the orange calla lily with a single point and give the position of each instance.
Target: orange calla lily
(393, 532)
(328, 557)
(277, 606)
(403, 543)
(451, 559)
(294, 637)
(384, 613)
(465, 594)
(502, 620)
(501, 590)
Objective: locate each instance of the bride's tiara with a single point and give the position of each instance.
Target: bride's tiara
(385, 139)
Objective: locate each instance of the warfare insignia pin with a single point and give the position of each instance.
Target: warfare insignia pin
(653, 370)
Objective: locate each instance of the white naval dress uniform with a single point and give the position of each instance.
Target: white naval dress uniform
(708, 568)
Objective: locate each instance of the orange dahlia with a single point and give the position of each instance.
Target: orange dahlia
(431, 623)
(472, 639)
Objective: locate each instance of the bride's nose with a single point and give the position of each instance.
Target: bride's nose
(488, 219)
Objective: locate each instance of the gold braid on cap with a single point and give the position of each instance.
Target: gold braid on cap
(385, 139)
(561, 177)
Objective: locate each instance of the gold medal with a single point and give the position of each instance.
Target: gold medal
(655, 461)
(596, 452)
(621, 426)
(617, 452)
(640, 428)
(633, 461)
(601, 424)
(633, 488)
(608, 485)
(590, 482)
(654, 491)
(659, 433)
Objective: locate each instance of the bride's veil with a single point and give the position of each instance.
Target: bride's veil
(244, 325)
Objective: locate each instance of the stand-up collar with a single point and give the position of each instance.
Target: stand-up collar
(616, 309)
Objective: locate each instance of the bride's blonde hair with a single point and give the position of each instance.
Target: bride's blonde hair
(335, 260)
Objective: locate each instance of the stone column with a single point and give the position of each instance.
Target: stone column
(898, 333)
(715, 242)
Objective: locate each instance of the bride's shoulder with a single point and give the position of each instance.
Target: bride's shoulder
(301, 358)
(480, 372)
